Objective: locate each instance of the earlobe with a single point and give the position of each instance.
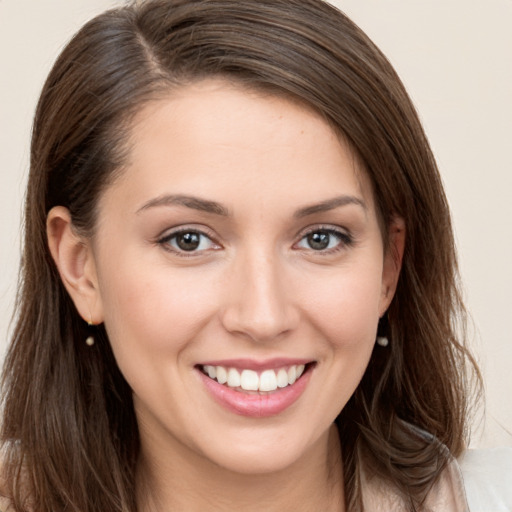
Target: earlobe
(392, 261)
(75, 262)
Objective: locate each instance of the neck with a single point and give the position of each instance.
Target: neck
(173, 482)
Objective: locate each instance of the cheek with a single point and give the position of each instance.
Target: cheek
(343, 315)
(150, 309)
(345, 307)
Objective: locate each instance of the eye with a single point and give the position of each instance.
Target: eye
(188, 241)
(324, 240)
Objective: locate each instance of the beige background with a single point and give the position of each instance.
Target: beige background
(455, 57)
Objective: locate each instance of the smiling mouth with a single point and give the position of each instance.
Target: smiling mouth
(251, 381)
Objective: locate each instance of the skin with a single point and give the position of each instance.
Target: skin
(255, 288)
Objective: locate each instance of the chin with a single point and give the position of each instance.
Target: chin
(259, 454)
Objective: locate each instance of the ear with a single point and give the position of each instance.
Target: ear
(75, 262)
(392, 262)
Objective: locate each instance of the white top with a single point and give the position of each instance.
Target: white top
(487, 476)
(480, 481)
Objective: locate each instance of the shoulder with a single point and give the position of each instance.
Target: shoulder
(446, 495)
(487, 476)
(5, 504)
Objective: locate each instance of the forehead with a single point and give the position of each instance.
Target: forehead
(221, 137)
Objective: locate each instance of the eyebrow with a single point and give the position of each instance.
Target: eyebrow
(193, 202)
(329, 204)
(204, 205)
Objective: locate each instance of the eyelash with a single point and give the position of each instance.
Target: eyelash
(345, 240)
(165, 242)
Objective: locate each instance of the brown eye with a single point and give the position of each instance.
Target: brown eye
(188, 241)
(325, 240)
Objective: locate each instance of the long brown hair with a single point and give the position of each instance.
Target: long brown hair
(69, 431)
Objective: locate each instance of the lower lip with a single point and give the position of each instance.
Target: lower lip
(256, 406)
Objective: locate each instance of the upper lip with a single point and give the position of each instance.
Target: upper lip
(256, 365)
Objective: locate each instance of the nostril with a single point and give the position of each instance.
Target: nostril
(260, 324)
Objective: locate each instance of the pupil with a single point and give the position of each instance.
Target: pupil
(318, 240)
(188, 241)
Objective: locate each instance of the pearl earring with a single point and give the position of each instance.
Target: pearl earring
(382, 341)
(383, 331)
(89, 341)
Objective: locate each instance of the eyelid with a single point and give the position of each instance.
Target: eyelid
(333, 228)
(168, 234)
(345, 236)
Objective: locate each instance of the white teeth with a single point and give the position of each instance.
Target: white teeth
(282, 378)
(212, 371)
(222, 375)
(249, 380)
(233, 378)
(292, 374)
(268, 381)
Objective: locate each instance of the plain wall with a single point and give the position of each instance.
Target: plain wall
(455, 57)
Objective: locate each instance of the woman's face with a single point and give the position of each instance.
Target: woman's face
(240, 242)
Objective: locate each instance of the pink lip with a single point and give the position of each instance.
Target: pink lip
(256, 405)
(251, 364)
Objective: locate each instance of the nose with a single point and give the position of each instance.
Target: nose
(259, 303)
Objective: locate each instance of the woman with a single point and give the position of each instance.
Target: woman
(239, 274)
